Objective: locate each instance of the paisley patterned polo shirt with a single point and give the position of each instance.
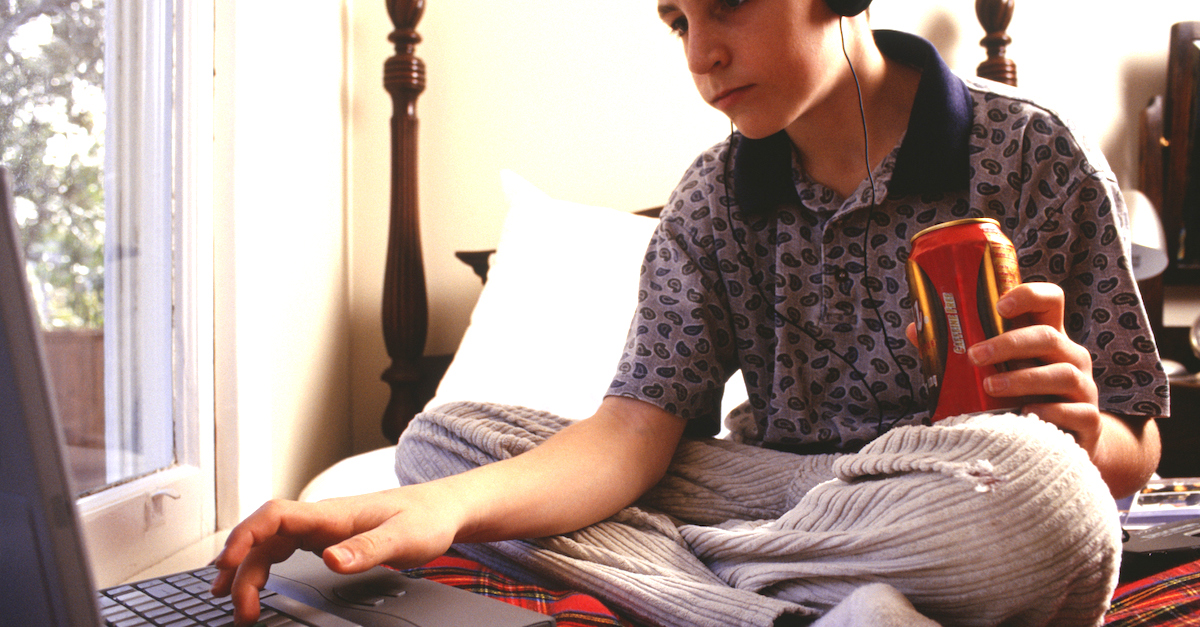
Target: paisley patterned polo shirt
(755, 267)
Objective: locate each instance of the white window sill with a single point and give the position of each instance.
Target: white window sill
(196, 555)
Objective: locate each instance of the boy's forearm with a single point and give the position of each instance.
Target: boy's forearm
(1128, 452)
(582, 475)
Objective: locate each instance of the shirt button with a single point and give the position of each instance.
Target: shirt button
(841, 275)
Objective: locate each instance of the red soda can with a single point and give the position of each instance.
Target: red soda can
(956, 272)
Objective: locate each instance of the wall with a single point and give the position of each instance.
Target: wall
(589, 101)
(592, 102)
(281, 248)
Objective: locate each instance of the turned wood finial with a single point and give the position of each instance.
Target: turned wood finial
(406, 13)
(405, 313)
(994, 16)
(404, 71)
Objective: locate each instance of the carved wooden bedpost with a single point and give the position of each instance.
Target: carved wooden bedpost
(405, 315)
(994, 16)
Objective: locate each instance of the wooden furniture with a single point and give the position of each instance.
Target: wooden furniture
(405, 307)
(1179, 139)
(1167, 162)
(994, 16)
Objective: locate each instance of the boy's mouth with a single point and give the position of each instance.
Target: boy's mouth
(728, 97)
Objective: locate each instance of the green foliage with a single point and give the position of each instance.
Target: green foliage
(51, 140)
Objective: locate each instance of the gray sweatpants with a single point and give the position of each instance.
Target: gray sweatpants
(983, 520)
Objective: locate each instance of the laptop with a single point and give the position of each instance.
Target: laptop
(45, 577)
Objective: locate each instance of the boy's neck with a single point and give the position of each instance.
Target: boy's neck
(830, 140)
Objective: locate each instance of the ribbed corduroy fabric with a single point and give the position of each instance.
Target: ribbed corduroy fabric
(983, 520)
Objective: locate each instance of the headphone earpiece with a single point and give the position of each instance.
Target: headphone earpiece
(848, 8)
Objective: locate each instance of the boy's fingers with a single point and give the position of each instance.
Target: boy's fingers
(355, 554)
(251, 576)
(1031, 346)
(402, 541)
(1033, 304)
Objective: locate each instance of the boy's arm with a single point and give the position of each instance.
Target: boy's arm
(1127, 452)
(583, 474)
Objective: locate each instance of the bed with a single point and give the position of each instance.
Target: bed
(604, 271)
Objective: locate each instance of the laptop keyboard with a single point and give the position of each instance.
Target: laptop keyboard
(181, 600)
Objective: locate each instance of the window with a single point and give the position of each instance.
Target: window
(105, 115)
(52, 112)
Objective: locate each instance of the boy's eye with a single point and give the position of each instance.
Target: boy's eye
(679, 26)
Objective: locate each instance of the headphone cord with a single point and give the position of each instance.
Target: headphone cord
(874, 208)
(862, 111)
(824, 344)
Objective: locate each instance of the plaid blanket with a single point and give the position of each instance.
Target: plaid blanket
(569, 608)
(1169, 598)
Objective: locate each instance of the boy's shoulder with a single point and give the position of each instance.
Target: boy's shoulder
(706, 175)
(992, 96)
(1004, 107)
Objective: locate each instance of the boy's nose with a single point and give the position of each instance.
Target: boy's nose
(705, 51)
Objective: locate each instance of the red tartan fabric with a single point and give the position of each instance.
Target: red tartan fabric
(569, 608)
(1168, 598)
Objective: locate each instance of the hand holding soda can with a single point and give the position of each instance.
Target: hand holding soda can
(957, 271)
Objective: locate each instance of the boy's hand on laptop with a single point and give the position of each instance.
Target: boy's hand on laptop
(403, 527)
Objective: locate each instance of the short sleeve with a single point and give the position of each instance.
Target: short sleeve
(680, 349)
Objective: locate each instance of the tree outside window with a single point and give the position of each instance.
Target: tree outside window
(52, 140)
(52, 124)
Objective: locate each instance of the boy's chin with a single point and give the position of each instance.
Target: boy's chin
(752, 131)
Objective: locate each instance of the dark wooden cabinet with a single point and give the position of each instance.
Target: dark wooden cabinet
(1181, 431)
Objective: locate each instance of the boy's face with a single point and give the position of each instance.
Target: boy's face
(763, 63)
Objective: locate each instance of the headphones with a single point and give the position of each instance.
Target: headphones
(848, 8)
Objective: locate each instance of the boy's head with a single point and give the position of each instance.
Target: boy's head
(767, 63)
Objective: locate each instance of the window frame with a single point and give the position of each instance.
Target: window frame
(134, 525)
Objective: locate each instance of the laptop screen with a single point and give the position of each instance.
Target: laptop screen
(45, 577)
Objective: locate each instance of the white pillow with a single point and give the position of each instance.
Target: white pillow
(552, 320)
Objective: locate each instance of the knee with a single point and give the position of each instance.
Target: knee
(1032, 538)
(431, 446)
(459, 436)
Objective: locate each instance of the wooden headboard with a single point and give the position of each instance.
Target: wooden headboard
(412, 375)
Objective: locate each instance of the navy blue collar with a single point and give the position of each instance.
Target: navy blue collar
(933, 156)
